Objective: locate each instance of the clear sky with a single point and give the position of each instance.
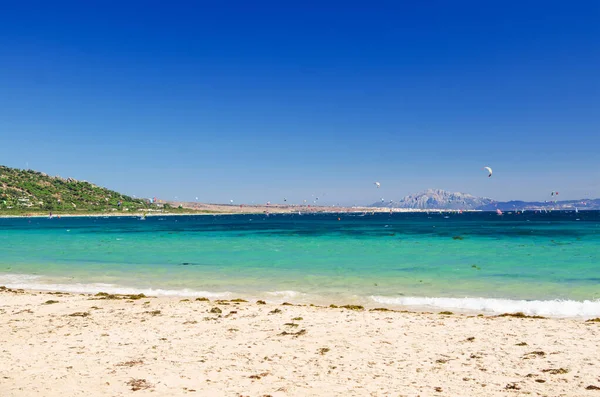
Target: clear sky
(258, 101)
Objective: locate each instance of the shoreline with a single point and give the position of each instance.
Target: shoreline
(59, 343)
(549, 308)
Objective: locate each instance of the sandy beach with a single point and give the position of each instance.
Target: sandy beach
(55, 344)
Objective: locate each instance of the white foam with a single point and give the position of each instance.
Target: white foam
(556, 308)
(285, 294)
(24, 281)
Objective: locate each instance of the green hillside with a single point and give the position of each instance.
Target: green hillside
(27, 191)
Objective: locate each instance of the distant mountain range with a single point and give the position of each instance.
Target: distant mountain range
(440, 199)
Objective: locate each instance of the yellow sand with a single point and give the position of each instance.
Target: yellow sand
(166, 347)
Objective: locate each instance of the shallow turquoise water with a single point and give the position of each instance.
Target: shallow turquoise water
(385, 258)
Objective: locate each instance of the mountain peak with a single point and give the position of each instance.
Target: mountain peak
(438, 199)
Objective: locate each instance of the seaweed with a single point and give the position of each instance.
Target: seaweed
(50, 302)
(352, 307)
(130, 363)
(286, 304)
(202, 299)
(512, 386)
(521, 344)
(323, 350)
(556, 371)
(238, 300)
(447, 313)
(261, 302)
(139, 384)
(153, 312)
(520, 315)
(380, 309)
(215, 310)
(294, 334)
(594, 320)
(533, 354)
(291, 324)
(297, 319)
(275, 311)
(79, 314)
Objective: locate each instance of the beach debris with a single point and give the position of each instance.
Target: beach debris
(215, 310)
(238, 300)
(593, 320)
(381, 309)
(261, 375)
(537, 353)
(139, 384)
(489, 170)
(323, 350)
(352, 307)
(512, 386)
(294, 334)
(153, 312)
(438, 389)
(447, 313)
(286, 304)
(261, 302)
(291, 324)
(202, 299)
(521, 344)
(592, 387)
(520, 315)
(297, 319)
(130, 363)
(107, 296)
(540, 380)
(184, 300)
(470, 339)
(50, 302)
(556, 371)
(79, 314)
(275, 311)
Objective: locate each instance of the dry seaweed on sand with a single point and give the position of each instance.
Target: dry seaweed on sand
(275, 311)
(556, 371)
(50, 302)
(216, 310)
(259, 302)
(380, 309)
(238, 300)
(130, 363)
(202, 299)
(153, 312)
(593, 320)
(139, 384)
(294, 334)
(520, 315)
(79, 314)
(352, 307)
(447, 313)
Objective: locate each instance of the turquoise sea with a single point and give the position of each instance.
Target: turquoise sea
(542, 263)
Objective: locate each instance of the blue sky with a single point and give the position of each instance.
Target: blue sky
(257, 101)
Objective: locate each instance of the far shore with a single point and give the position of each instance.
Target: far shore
(222, 209)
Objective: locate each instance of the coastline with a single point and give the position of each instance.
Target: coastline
(61, 344)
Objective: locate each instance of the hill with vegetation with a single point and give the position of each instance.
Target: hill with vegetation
(28, 191)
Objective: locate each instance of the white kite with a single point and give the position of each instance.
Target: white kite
(378, 185)
(489, 170)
